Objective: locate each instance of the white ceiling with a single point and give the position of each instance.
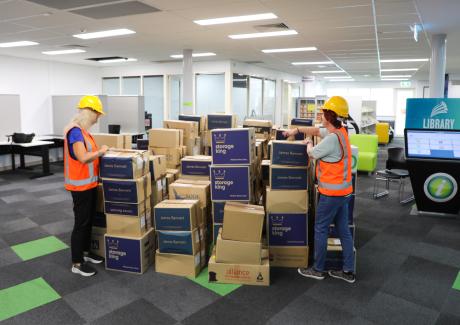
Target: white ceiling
(343, 31)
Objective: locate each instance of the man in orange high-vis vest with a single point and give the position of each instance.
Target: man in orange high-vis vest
(81, 172)
(333, 173)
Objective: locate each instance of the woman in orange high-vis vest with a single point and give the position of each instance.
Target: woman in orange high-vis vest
(333, 173)
(81, 171)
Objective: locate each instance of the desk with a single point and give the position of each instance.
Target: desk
(34, 148)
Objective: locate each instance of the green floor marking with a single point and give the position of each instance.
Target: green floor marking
(39, 247)
(456, 285)
(221, 289)
(25, 296)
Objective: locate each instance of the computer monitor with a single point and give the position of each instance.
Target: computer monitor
(432, 144)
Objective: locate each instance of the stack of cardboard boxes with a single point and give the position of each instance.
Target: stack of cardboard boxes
(157, 167)
(169, 143)
(232, 170)
(181, 241)
(287, 204)
(334, 257)
(238, 256)
(216, 121)
(129, 241)
(195, 167)
(191, 135)
(99, 225)
(202, 127)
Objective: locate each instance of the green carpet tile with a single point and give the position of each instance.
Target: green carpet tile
(221, 289)
(39, 247)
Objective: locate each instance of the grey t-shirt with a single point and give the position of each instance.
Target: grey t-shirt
(329, 149)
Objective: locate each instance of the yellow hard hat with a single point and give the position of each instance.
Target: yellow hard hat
(92, 102)
(338, 105)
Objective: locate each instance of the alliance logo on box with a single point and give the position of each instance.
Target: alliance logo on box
(220, 143)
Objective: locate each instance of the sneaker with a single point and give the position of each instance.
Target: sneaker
(83, 269)
(92, 258)
(345, 276)
(311, 273)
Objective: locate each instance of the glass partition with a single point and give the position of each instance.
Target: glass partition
(210, 93)
(131, 86)
(153, 99)
(240, 96)
(111, 86)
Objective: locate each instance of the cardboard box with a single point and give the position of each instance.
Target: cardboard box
(178, 264)
(157, 192)
(142, 144)
(129, 225)
(263, 128)
(178, 216)
(265, 170)
(239, 273)
(201, 120)
(127, 191)
(215, 231)
(221, 121)
(174, 172)
(128, 209)
(233, 146)
(129, 254)
(124, 164)
(193, 146)
(97, 241)
(289, 256)
(100, 199)
(289, 153)
(184, 189)
(286, 201)
(287, 229)
(157, 166)
(288, 178)
(199, 211)
(230, 183)
(334, 258)
(119, 141)
(243, 222)
(166, 138)
(238, 252)
(190, 129)
(218, 211)
(173, 155)
(196, 166)
(179, 242)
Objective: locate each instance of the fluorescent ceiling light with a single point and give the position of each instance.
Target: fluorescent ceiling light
(397, 76)
(292, 49)
(105, 33)
(117, 60)
(391, 70)
(328, 71)
(404, 60)
(72, 51)
(235, 19)
(17, 44)
(338, 77)
(337, 80)
(195, 55)
(266, 34)
(312, 63)
(394, 79)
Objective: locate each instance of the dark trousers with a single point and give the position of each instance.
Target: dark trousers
(84, 208)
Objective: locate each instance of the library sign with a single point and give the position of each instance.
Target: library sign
(433, 113)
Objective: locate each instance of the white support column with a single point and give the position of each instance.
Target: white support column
(437, 65)
(229, 88)
(188, 77)
(166, 96)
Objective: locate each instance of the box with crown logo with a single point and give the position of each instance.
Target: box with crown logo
(231, 183)
(233, 146)
(129, 254)
(287, 229)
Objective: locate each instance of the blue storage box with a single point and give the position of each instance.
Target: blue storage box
(232, 146)
(289, 153)
(176, 216)
(124, 164)
(230, 183)
(287, 229)
(221, 121)
(288, 178)
(179, 242)
(127, 191)
(195, 165)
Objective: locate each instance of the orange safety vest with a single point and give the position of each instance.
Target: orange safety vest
(334, 178)
(78, 176)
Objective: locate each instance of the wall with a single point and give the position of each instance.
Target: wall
(35, 81)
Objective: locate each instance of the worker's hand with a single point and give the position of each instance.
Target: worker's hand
(289, 133)
(103, 150)
(307, 141)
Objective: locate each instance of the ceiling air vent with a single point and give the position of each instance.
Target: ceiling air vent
(166, 61)
(75, 46)
(116, 10)
(271, 27)
(253, 62)
(106, 58)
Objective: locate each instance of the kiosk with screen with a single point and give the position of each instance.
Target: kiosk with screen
(432, 148)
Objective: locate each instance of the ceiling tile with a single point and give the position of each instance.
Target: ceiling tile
(116, 10)
(68, 4)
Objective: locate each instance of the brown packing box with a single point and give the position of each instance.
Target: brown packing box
(197, 241)
(178, 264)
(289, 256)
(157, 192)
(159, 166)
(238, 252)
(193, 146)
(128, 208)
(263, 128)
(186, 189)
(100, 199)
(284, 201)
(243, 222)
(120, 141)
(239, 273)
(142, 184)
(199, 211)
(173, 155)
(195, 212)
(129, 225)
(97, 241)
(174, 172)
(184, 151)
(189, 128)
(166, 138)
(111, 167)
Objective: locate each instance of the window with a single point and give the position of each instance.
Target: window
(269, 99)
(111, 86)
(385, 101)
(175, 97)
(364, 93)
(131, 86)
(255, 96)
(240, 96)
(153, 99)
(210, 94)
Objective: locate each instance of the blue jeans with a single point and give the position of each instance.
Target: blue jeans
(333, 209)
